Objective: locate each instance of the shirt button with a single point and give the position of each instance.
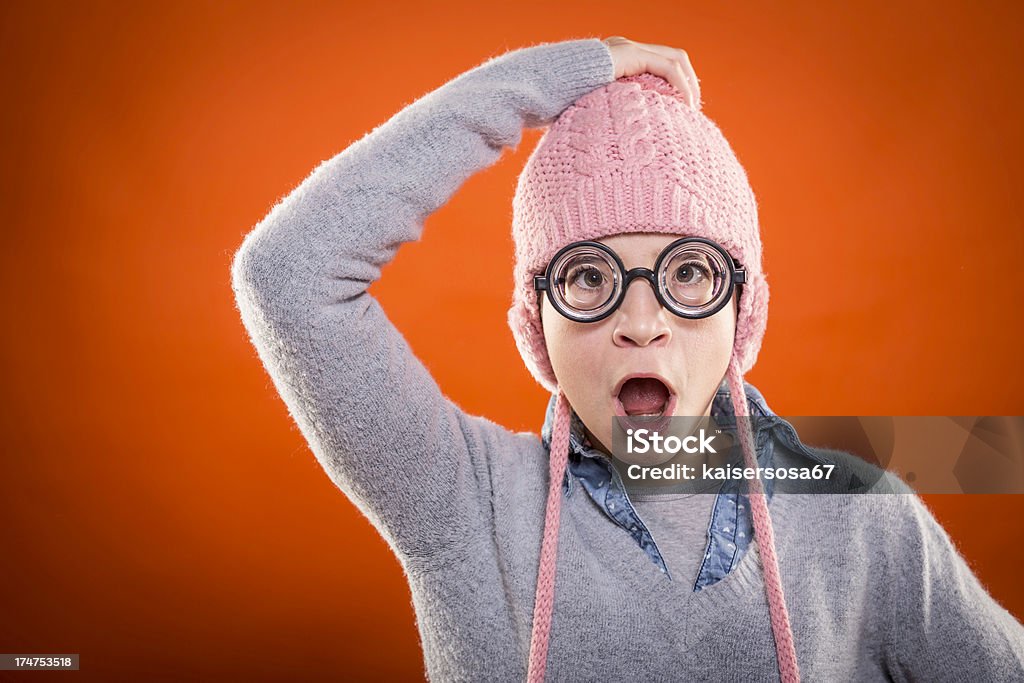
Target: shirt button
(611, 506)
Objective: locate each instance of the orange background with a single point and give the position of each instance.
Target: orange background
(161, 514)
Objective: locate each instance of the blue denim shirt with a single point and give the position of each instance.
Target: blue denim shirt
(731, 526)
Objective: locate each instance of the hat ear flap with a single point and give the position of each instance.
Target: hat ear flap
(751, 321)
(528, 332)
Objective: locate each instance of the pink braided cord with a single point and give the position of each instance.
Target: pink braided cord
(764, 535)
(544, 599)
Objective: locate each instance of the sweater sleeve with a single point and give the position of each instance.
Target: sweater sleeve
(946, 626)
(407, 456)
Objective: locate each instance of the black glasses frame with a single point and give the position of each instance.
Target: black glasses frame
(737, 276)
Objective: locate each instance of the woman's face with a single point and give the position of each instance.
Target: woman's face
(591, 360)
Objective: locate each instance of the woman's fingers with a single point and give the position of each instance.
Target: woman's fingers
(672, 70)
(672, 64)
(693, 76)
(684, 59)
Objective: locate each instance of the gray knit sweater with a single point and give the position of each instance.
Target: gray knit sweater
(875, 589)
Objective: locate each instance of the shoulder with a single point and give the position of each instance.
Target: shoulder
(872, 497)
(863, 500)
(836, 471)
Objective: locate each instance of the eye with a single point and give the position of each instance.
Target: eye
(587, 277)
(691, 273)
(585, 280)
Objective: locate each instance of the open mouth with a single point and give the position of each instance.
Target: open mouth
(644, 401)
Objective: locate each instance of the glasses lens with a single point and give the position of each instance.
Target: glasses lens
(586, 281)
(694, 278)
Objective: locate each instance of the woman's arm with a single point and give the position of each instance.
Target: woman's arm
(946, 626)
(408, 457)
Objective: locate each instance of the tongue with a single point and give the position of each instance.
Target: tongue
(645, 395)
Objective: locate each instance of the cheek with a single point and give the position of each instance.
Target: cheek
(577, 352)
(707, 343)
(566, 343)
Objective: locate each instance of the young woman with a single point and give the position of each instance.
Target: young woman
(639, 291)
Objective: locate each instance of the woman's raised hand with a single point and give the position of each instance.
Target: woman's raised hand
(672, 64)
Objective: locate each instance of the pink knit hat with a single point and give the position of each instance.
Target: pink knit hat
(633, 157)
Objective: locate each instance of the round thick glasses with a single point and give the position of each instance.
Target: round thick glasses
(693, 278)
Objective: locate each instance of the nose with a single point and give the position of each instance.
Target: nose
(641, 320)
